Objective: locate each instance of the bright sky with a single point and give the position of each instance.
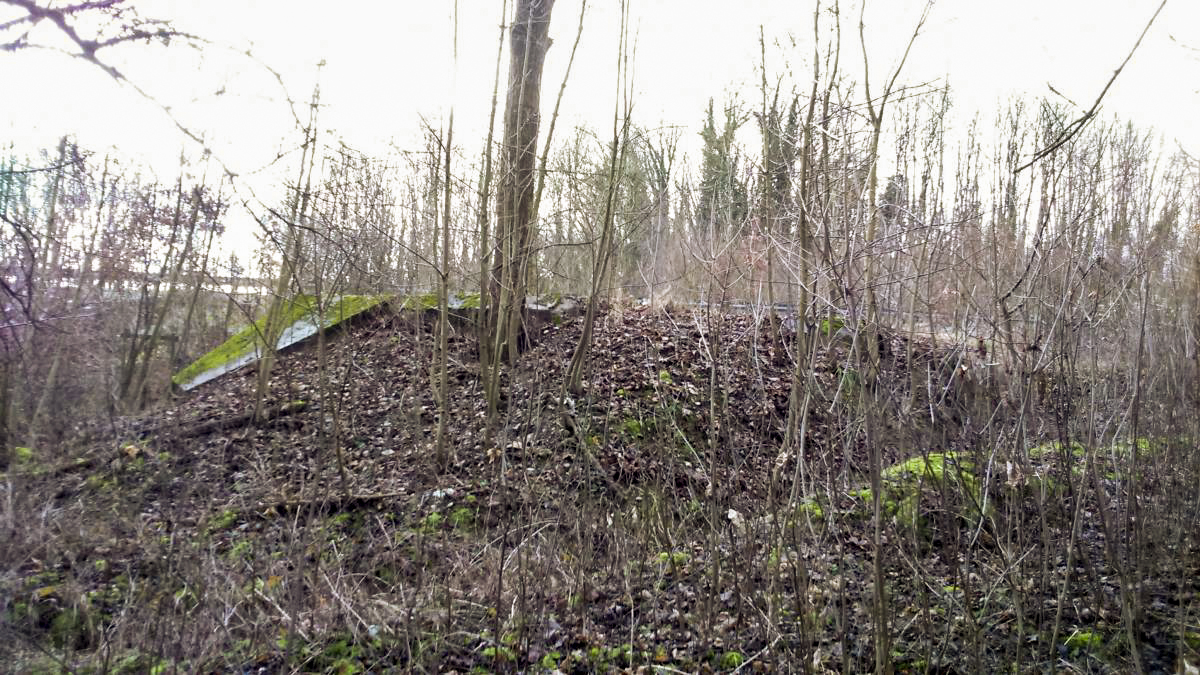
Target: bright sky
(389, 63)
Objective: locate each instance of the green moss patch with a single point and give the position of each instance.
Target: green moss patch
(1084, 640)
(907, 484)
(1054, 448)
(1118, 448)
(1144, 447)
(810, 507)
(1111, 459)
(830, 326)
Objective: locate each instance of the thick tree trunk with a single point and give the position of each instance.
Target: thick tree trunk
(515, 198)
(518, 162)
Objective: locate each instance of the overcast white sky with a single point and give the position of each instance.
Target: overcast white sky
(390, 62)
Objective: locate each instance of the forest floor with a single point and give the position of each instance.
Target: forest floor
(651, 525)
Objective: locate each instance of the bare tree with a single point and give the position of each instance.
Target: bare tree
(602, 256)
(875, 113)
(290, 250)
(442, 384)
(529, 42)
(91, 27)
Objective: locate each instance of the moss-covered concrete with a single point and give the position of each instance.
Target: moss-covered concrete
(422, 301)
(243, 348)
(249, 340)
(351, 305)
(467, 300)
(427, 301)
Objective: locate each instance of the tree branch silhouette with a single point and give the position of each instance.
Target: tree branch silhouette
(1082, 121)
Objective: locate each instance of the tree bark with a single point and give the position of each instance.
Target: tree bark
(514, 213)
(529, 40)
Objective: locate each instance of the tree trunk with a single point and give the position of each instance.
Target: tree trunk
(483, 328)
(514, 212)
(442, 388)
(516, 194)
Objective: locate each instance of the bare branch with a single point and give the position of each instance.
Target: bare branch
(1076, 126)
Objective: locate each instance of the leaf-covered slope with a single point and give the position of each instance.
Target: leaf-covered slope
(645, 523)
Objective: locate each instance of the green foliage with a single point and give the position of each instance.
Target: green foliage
(632, 427)
(241, 549)
(184, 597)
(620, 655)
(730, 660)
(23, 455)
(136, 662)
(848, 385)
(550, 660)
(673, 560)
(830, 326)
(812, 508)
(100, 482)
(779, 148)
(432, 523)
(1144, 447)
(71, 629)
(341, 656)
(1084, 640)
(462, 517)
(499, 653)
(223, 521)
(1049, 450)
(346, 519)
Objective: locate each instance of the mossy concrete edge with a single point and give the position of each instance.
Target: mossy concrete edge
(243, 347)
